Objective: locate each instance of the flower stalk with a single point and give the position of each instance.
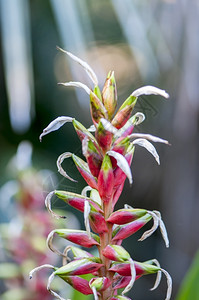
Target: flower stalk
(108, 156)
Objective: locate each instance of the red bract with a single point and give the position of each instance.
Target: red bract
(109, 153)
(106, 180)
(121, 232)
(78, 283)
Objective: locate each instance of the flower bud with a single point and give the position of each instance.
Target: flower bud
(106, 179)
(78, 237)
(98, 110)
(83, 168)
(124, 112)
(116, 253)
(123, 231)
(97, 222)
(79, 253)
(100, 283)
(141, 268)
(75, 200)
(97, 92)
(119, 175)
(79, 267)
(94, 158)
(109, 94)
(78, 283)
(120, 282)
(123, 216)
(103, 136)
(82, 132)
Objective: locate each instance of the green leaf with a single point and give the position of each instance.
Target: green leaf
(190, 287)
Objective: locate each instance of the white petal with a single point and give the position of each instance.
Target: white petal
(150, 90)
(48, 206)
(162, 228)
(122, 164)
(149, 232)
(92, 128)
(133, 276)
(146, 144)
(86, 217)
(86, 67)
(50, 279)
(158, 277)
(94, 195)
(85, 190)
(49, 242)
(140, 117)
(39, 268)
(169, 284)
(55, 124)
(60, 169)
(95, 293)
(77, 84)
(108, 126)
(148, 137)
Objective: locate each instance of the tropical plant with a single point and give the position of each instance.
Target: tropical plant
(108, 153)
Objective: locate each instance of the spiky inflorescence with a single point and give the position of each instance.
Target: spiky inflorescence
(108, 153)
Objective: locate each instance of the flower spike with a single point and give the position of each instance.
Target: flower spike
(108, 148)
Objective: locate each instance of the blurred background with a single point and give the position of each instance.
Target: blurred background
(146, 43)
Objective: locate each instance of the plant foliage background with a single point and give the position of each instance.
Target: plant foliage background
(145, 43)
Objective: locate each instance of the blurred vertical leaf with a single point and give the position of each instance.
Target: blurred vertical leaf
(190, 287)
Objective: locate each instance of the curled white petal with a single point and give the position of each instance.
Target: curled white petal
(150, 90)
(77, 84)
(148, 137)
(65, 255)
(94, 195)
(85, 190)
(86, 67)
(55, 125)
(94, 293)
(40, 268)
(50, 279)
(86, 217)
(122, 164)
(92, 128)
(133, 276)
(127, 206)
(158, 277)
(108, 126)
(162, 228)
(146, 144)
(60, 169)
(48, 206)
(85, 146)
(169, 284)
(49, 242)
(149, 232)
(140, 117)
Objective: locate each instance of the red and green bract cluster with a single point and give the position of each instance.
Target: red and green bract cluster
(108, 153)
